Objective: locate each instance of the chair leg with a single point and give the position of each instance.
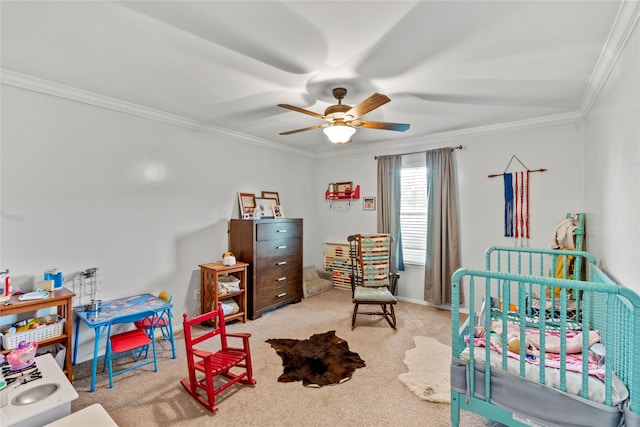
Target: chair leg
(393, 316)
(355, 313)
(169, 336)
(211, 392)
(390, 315)
(248, 365)
(155, 358)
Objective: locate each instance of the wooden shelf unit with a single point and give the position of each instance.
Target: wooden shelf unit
(60, 298)
(338, 262)
(209, 295)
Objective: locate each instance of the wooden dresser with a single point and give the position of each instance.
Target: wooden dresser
(273, 249)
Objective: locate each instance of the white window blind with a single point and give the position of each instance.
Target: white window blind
(413, 208)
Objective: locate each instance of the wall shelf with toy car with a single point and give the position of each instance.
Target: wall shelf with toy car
(339, 196)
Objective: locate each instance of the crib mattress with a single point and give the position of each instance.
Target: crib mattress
(596, 387)
(531, 402)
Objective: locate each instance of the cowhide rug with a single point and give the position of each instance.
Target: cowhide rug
(428, 376)
(320, 360)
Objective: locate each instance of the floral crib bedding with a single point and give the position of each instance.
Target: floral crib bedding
(573, 358)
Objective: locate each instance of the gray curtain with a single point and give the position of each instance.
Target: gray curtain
(389, 168)
(443, 252)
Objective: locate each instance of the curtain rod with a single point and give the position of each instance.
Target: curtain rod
(459, 147)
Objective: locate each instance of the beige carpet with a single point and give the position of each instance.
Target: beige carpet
(373, 397)
(426, 377)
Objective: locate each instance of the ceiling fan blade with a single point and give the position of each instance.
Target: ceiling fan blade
(301, 110)
(304, 129)
(369, 104)
(367, 124)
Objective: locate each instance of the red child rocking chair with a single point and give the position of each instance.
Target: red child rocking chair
(204, 365)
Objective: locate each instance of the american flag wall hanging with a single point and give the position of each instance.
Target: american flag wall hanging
(516, 203)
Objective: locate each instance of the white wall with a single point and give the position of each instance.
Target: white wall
(145, 202)
(553, 193)
(612, 169)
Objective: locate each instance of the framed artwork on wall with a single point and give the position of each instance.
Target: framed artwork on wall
(369, 203)
(265, 207)
(343, 187)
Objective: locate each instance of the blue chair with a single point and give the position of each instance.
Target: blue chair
(162, 321)
(131, 343)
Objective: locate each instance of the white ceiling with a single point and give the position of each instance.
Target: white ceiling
(224, 66)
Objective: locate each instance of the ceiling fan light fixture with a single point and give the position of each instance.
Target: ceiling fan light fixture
(339, 134)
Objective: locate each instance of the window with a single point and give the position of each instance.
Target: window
(413, 208)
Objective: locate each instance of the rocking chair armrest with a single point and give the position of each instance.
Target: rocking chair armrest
(201, 353)
(239, 335)
(245, 340)
(237, 349)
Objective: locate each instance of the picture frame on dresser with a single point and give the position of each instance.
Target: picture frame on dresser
(265, 207)
(271, 195)
(247, 203)
(277, 211)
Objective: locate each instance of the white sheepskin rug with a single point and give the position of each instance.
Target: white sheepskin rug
(428, 376)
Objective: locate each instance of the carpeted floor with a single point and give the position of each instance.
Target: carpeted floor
(373, 397)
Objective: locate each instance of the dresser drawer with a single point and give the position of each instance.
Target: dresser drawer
(277, 264)
(278, 230)
(275, 278)
(278, 294)
(273, 251)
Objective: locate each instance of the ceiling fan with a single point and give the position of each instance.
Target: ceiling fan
(343, 120)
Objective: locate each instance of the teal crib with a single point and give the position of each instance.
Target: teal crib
(522, 354)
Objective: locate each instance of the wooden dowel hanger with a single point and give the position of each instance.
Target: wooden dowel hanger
(509, 164)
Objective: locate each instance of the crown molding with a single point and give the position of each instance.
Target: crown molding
(622, 28)
(55, 89)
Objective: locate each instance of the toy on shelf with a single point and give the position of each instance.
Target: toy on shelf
(339, 196)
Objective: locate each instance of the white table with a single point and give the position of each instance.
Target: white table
(94, 416)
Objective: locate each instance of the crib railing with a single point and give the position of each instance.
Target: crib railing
(561, 264)
(612, 309)
(618, 320)
(538, 262)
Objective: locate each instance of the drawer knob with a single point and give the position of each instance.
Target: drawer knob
(281, 247)
(282, 231)
(281, 294)
(280, 279)
(281, 263)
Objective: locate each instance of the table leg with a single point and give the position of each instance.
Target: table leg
(96, 346)
(75, 341)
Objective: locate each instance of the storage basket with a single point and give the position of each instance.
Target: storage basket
(230, 306)
(228, 284)
(11, 341)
